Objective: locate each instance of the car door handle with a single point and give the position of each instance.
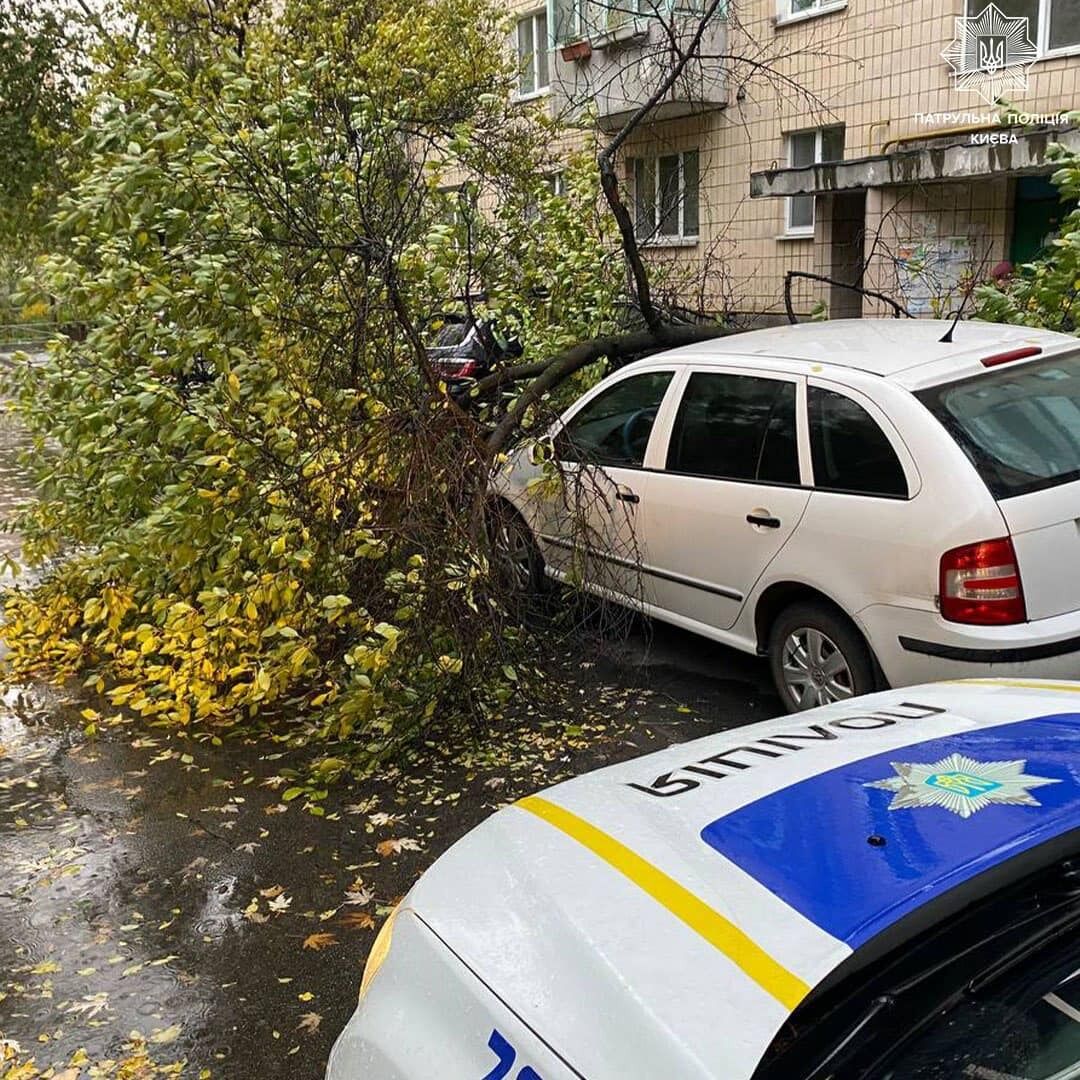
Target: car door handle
(763, 520)
(626, 495)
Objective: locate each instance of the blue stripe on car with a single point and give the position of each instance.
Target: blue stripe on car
(857, 848)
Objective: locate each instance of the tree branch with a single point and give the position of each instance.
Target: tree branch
(614, 347)
(899, 311)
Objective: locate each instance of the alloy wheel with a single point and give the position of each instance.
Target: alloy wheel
(816, 672)
(514, 554)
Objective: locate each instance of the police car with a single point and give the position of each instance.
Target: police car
(884, 888)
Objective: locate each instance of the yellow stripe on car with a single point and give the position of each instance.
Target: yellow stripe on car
(720, 932)
(1022, 684)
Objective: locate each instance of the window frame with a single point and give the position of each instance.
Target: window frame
(1041, 38)
(888, 429)
(578, 29)
(541, 43)
(802, 437)
(655, 238)
(658, 434)
(805, 231)
(785, 14)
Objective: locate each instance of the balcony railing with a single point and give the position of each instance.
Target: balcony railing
(622, 55)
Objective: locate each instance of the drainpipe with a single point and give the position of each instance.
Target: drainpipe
(870, 135)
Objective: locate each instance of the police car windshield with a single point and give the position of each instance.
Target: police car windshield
(1000, 1039)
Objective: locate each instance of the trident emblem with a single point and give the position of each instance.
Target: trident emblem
(991, 54)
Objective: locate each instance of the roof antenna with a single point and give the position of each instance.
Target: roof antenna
(946, 338)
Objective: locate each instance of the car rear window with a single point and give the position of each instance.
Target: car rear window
(445, 335)
(1019, 426)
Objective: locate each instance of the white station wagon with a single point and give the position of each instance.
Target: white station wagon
(861, 501)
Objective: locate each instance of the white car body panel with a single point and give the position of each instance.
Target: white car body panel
(588, 939)
(428, 1015)
(1045, 527)
(876, 558)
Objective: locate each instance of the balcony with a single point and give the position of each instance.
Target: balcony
(617, 58)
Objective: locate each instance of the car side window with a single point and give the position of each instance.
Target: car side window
(736, 427)
(614, 428)
(849, 450)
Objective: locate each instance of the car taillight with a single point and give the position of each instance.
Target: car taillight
(980, 583)
(456, 369)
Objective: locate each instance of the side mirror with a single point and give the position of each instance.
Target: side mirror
(542, 449)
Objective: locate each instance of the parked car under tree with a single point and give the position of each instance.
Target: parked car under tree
(865, 502)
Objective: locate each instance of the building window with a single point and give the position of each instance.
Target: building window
(666, 196)
(792, 9)
(809, 148)
(1053, 25)
(555, 183)
(622, 12)
(569, 20)
(532, 50)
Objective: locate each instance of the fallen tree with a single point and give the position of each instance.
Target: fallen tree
(267, 502)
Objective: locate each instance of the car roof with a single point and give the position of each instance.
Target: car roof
(758, 862)
(888, 347)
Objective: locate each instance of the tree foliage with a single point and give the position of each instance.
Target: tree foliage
(1045, 292)
(264, 498)
(42, 64)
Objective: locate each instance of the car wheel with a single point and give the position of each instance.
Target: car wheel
(817, 656)
(517, 562)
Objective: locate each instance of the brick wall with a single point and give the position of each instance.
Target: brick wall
(871, 65)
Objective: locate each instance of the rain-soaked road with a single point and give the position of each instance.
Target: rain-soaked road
(154, 884)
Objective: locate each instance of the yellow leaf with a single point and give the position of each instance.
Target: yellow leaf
(319, 941)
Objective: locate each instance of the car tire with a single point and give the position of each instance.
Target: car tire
(817, 656)
(516, 560)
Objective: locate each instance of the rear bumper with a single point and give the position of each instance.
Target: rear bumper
(917, 646)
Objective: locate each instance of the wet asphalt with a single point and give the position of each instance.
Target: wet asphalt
(156, 884)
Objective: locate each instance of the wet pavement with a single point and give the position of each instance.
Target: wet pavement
(155, 884)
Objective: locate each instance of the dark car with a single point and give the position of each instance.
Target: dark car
(463, 347)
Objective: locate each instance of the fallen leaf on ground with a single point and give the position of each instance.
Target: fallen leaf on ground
(310, 1022)
(393, 847)
(319, 941)
(358, 920)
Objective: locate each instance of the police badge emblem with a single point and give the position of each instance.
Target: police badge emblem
(961, 784)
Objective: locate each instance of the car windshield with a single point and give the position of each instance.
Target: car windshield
(1020, 426)
(1000, 1038)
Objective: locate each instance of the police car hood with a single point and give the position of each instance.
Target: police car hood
(664, 916)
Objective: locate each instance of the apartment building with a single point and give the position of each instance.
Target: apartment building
(856, 140)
